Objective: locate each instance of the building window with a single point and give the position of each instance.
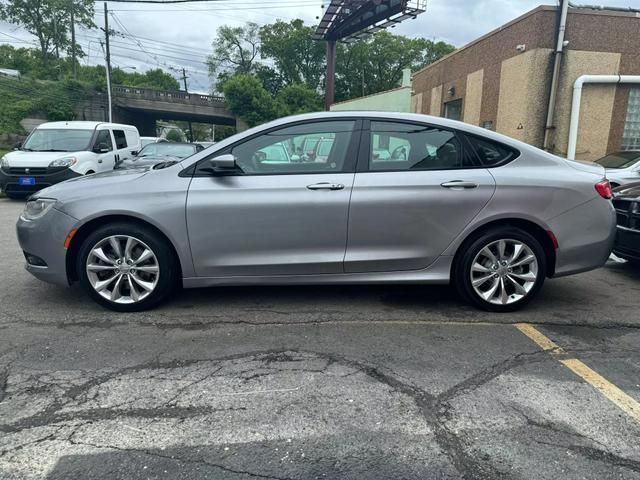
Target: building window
(453, 110)
(631, 133)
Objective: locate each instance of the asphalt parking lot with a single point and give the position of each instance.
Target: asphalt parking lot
(361, 382)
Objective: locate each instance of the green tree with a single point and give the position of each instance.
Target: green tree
(298, 98)
(48, 20)
(246, 97)
(174, 136)
(270, 78)
(235, 50)
(375, 64)
(154, 78)
(297, 57)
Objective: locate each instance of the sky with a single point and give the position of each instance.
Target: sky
(176, 36)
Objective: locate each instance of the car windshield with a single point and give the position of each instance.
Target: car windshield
(146, 141)
(58, 140)
(167, 150)
(620, 160)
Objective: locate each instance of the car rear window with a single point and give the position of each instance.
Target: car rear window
(491, 153)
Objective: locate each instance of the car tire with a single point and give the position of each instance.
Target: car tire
(139, 262)
(500, 270)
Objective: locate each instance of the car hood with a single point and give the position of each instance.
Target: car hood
(630, 191)
(589, 167)
(146, 161)
(92, 185)
(23, 158)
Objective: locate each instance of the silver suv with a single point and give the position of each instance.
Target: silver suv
(397, 198)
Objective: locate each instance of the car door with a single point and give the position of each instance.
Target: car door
(105, 159)
(416, 188)
(278, 214)
(122, 149)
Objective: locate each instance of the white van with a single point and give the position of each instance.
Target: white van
(58, 151)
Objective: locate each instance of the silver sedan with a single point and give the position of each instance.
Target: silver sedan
(397, 198)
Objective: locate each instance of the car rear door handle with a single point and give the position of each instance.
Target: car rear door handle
(458, 184)
(325, 186)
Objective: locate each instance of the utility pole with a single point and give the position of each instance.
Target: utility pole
(108, 61)
(330, 81)
(73, 41)
(186, 90)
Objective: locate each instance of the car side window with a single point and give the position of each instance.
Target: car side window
(305, 148)
(121, 139)
(104, 138)
(490, 153)
(403, 146)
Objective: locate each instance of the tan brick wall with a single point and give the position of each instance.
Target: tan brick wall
(523, 89)
(416, 103)
(597, 103)
(436, 101)
(473, 97)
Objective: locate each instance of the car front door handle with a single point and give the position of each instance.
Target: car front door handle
(325, 186)
(458, 184)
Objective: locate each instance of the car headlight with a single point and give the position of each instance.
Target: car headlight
(37, 208)
(63, 162)
(4, 162)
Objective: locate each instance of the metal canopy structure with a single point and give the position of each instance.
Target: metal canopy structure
(351, 20)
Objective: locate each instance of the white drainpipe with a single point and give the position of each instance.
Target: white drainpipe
(577, 97)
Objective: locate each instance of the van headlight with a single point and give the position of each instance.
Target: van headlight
(63, 162)
(36, 208)
(4, 162)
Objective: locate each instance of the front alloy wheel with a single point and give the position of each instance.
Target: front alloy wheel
(122, 269)
(127, 267)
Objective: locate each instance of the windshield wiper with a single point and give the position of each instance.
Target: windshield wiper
(50, 150)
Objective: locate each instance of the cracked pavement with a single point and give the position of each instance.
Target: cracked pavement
(313, 382)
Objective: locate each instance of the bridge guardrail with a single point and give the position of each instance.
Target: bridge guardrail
(166, 95)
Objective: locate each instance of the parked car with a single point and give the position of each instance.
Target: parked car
(144, 141)
(58, 151)
(493, 215)
(205, 144)
(155, 153)
(621, 167)
(626, 201)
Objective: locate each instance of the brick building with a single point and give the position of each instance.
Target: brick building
(502, 80)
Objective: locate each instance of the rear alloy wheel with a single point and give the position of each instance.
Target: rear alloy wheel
(502, 270)
(126, 267)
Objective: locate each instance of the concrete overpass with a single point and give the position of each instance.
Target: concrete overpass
(143, 106)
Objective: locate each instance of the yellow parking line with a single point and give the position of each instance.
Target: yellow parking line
(627, 404)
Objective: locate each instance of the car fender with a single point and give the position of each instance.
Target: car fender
(86, 161)
(184, 257)
(482, 221)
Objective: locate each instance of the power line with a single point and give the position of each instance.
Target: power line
(166, 1)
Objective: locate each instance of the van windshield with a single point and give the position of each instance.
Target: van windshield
(58, 140)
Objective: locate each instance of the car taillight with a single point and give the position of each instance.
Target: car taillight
(604, 189)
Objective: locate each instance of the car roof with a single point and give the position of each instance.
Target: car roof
(82, 125)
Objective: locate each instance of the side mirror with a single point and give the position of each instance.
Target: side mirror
(100, 148)
(224, 163)
(17, 146)
(134, 152)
